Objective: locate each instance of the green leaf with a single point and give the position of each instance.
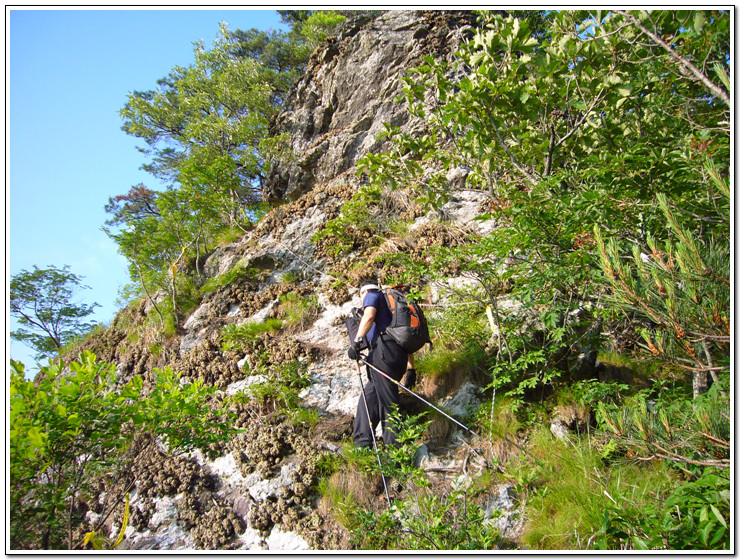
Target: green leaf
(579, 105)
(718, 515)
(700, 20)
(36, 437)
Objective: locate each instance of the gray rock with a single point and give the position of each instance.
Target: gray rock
(559, 429)
(464, 402)
(271, 487)
(336, 115)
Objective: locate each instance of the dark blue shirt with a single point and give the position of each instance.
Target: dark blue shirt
(382, 314)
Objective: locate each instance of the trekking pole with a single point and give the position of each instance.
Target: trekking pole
(417, 396)
(442, 412)
(372, 432)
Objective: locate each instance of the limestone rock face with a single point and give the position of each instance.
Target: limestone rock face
(336, 112)
(349, 90)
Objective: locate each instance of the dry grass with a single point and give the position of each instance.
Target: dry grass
(346, 492)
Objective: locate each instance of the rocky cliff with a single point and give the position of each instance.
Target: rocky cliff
(258, 492)
(349, 91)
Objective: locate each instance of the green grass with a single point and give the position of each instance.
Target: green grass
(238, 272)
(568, 487)
(233, 336)
(297, 312)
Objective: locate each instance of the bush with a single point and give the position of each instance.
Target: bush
(78, 421)
(696, 516)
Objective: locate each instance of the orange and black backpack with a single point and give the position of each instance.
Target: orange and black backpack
(408, 325)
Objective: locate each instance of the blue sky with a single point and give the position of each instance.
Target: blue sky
(68, 73)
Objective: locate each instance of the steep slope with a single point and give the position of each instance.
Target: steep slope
(256, 492)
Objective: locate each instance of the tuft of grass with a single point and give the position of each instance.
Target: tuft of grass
(297, 313)
(300, 416)
(343, 494)
(234, 336)
(502, 423)
(290, 277)
(567, 487)
(238, 272)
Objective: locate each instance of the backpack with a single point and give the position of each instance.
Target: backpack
(408, 325)
(353, 325)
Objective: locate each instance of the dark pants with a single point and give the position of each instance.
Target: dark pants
(381, 393)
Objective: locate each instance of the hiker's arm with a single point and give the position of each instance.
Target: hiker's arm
(410, 364)
(368, 318)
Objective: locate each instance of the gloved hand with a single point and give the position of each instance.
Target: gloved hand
(410, 380)
(353, 354)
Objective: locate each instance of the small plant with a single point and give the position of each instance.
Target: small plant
(568, 487)
(236, 274)
(290, 277)
(297, 312)
(398, 460)
(300, 416)
(234, 336)
(696, 516)
(356, 227)
(500, 423)
(283, 382)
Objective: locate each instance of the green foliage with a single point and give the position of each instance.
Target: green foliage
(431, 522)
(696, 516)
(234, 337)
(568, 488)
(499, 423)
(688, 433)
(587, 120)
(282, 384)
(297, 312)
(317, 27)
(232, 276)
(79, 420)
(398, 460)
(215, 114)
(356, 227)
(459, 342)
(679, 292)
(591, 392)
(291, 277)
(41, 301)
(206, 130)
(425, 521)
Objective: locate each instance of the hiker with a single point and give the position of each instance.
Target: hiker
(386, 355)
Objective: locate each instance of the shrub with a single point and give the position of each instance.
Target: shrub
(696, 516)
(237, 273)
(77, 421)
(356, 227)
(297, 312)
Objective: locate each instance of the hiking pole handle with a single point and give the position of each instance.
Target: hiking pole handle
(417, 396)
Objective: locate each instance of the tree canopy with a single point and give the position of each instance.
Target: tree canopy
(41, 300)
(578, 131)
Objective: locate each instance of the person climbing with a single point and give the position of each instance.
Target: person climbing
(386, 355)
